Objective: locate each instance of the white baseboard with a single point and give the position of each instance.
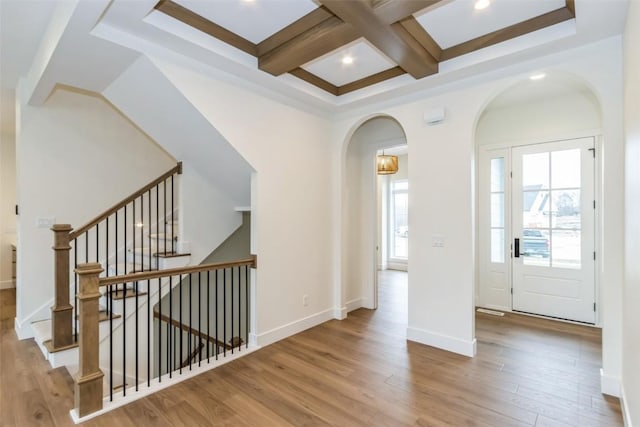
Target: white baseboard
(355, 304)
(397, 266)
(23, 327)
(609, 384)
(455, 345)
(626, 416)
(7, 284)
(295, 327)
(340, 313)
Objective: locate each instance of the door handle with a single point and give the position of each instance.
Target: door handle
(516, 248)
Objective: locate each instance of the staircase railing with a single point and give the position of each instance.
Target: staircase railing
(111, 238)
(208, 303)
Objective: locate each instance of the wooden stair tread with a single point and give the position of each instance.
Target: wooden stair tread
(129, 293)
(48, 344)
(103, 316)
(169, 254)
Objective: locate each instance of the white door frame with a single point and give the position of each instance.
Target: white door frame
(481, 153)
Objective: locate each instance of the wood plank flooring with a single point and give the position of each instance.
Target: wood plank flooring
(356, 372)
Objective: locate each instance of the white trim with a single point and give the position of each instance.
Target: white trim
(355, 304)
(433, 339)
(399, 266)
(281, 332)
(8, 284)
(626, 415)
(340, 313)
(609, 384)
(23, 327)
(119, 400)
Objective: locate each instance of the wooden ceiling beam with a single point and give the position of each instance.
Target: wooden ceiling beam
(413, 58)
(539, 22)
(323, 38)
(198, 22)
(371, 80)
(290, 32)
(391, 11)
(303, 74)
(413, 27)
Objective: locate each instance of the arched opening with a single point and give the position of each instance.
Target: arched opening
(367, 212)
(538, 172)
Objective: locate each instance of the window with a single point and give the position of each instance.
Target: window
(497, 210)
(399, 219)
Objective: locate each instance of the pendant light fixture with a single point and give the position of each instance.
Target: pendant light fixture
(387, 165)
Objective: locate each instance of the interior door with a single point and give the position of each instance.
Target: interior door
(553, 207)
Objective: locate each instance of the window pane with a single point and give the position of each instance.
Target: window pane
(535, 171)
(535, 209)
(565, 209)
(497, 174)
(565, 169)
(565, 248)
(497, 210)
(497, 245)
(399, 220)
(400, 185)
(534, 247)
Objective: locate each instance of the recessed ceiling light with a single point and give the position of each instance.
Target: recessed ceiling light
(348, 59)
(538, 76)
(482, 4)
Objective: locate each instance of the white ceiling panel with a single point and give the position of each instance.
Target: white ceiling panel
(254, 20)
(367, 60)
(470, 23)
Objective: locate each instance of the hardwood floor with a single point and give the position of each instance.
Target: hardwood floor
(360, 372)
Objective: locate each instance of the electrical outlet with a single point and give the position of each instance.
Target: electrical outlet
(305, 300)
(437, 241)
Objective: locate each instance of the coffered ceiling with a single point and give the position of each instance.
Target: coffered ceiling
(343, 46)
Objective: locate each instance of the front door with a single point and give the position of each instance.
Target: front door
(552, 229)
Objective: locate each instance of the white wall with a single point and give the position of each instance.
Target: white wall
(631, 298)
(7, 196)
(76, 157)
(292, 205)
(442, 204)
(556, 116)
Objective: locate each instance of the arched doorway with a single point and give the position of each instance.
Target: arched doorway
(537, 172)
(361, 227)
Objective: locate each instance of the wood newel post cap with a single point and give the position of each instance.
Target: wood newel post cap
(61, 227)
(91, 268)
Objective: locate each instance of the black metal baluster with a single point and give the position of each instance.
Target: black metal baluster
(75, 287)
(246, 297)
(169, 344)
(172, 219)
(149, 225)
(149, 320)
(157, 219)
(142, 234)
(208, 319)
(199, 317)
(97, 242)
(124, 341)
(137, 310)
(181, 333)
(239, 310)
(190, 318)
(159, 330)
(86, 246)
(106, 248)
(124, 227)
(164, 187)
(216, 310)
(117, 247)
(224, 312)
(110, 299)
(133, 233)
(231, 305)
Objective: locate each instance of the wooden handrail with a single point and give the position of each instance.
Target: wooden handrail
(186, 328)
(77, 232)
(155, 274)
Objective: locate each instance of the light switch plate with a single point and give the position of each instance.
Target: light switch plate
(437, 241)
(45, 222)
